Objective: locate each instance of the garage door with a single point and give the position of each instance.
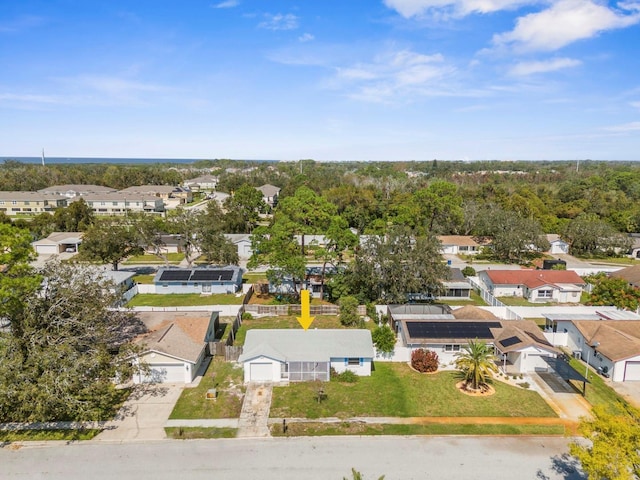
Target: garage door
(165, 373)
(261, 372)
(46, 249)
(632, 371)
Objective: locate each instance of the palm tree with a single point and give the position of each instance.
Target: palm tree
(477, 363)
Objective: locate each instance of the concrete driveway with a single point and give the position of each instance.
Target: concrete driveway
(630, 391)
(560, 396)
(144, 414)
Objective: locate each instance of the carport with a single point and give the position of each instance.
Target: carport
(566, 371)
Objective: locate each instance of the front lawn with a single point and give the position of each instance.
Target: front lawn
(153, 259)
(190, 433)
(290, 321)
(311, 429)
(183, 300)
(227, 379)
(598, 392)
(394, 390)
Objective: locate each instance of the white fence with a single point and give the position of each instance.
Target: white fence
(225, 310)
(501, 310)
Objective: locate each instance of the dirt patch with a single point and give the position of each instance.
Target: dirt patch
(486, 391)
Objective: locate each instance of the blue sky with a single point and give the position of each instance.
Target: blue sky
(321, 79)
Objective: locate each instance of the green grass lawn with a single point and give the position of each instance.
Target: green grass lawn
(522, 302)
(183, 300)
(351, 428)
(227, 379)
(148, 258)
(254, 277)
(144, 279)
(598, 392)
(46, 435)
(474, 300)
(190, 433)
(612, 260)
(395, 390)
(320, 321)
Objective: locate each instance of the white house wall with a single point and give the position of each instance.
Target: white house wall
(362, 370)
(276, 367)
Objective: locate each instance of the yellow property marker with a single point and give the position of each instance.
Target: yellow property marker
(305, 319)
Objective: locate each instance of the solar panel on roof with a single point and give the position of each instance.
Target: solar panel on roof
(507, 342)
(212, 275)
(451, 329)
(175, 275)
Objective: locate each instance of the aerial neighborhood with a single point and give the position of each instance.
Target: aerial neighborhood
(300, 309)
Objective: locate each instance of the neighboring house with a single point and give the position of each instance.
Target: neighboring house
(242, 241)
(610, 345)
(170, 195)
(175, 349)
(269, 194)
(520, 345)
(557, 245)
(456, 286)
(205, 182)
(58, 242)
(302, 355)
(630, 274)
(314, 240)
(560, 286)
(634, 250)
(461, 244)
(198, 280)
(312, 282)
(397, 313)
(120, 204)
(71, 191)
(171, 243)
(29, 203)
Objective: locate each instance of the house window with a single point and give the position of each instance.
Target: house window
(14, 202)
(545, 293)
(165, 284)
(27, 202)
(452, 348)
(353, 361)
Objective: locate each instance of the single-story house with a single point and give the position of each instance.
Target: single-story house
(610, 343)
(58, 242)
(519, 344)
(312, 282)
(242, 241)
(411, 311)
(198, 280)
(175, 349)
(557, 245)
(456, 286)
(462, 244)
(560, 286)
(269, 194)
(303, 355)
(171, 195)
(171, 243)
(630, 274)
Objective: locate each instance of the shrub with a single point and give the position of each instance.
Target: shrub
(424, 360)
(469, 271)
(384, 339)
(524, 385)
(346, 377)
(247, 316)
(349, 311)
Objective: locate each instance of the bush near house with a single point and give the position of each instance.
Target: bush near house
(425, 361)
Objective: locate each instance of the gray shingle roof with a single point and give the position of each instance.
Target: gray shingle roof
(307, 345)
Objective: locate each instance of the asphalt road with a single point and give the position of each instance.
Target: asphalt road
(330, 458)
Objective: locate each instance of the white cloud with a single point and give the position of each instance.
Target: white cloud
(279, 21)
(29, 98)
(227, 4)
(306, 37)
(565, 22)
(399, 74)
(635, 104)
(543, 66)
(624, 128)
(416, 8)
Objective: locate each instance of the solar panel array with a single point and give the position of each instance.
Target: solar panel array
(507, 342)
(175, 275)
(451, 329)
(212, 275)
(197, 275)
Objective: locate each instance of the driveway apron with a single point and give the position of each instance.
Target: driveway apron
(143, 416)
